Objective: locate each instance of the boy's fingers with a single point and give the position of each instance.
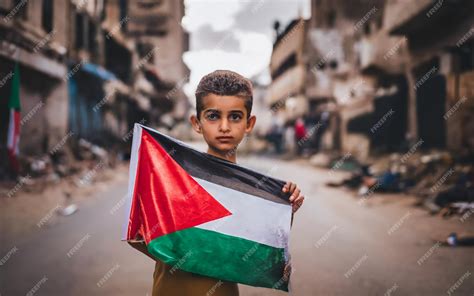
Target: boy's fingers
(298, 203)
(287, 272)
(295, 194)
(292, 187)
(286, 187)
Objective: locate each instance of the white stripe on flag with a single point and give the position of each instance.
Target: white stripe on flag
(252, 218)
(137, 137)
(11, 131)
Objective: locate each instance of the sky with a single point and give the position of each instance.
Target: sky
(234, 35)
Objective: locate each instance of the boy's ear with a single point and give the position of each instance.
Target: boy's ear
(250, 123)
(195, 123)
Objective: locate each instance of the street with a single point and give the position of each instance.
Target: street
(338, 247)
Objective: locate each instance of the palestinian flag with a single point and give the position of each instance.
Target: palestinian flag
(14, 123)
(206, 215)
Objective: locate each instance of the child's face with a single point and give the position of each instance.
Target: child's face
(223, 122)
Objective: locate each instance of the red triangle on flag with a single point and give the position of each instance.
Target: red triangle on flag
(168, 197)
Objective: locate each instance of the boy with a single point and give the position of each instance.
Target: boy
(223, 106)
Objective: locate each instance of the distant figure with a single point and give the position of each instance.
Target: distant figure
(275, 135)
(300, 133)
(324, 122)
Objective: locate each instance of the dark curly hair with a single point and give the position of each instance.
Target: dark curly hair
(224, 83)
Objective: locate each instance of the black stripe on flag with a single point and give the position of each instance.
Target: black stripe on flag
(219, 171)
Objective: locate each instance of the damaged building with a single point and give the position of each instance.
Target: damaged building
(439, 70)
(389, 73)
(90, 69)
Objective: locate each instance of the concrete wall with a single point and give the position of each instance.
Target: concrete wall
(168, 58)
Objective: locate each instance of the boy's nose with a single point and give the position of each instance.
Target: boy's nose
(224, 126)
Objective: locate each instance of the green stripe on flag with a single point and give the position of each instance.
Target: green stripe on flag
(222, 256)
(14, 101)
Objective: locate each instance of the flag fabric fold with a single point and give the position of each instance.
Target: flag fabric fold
(206, 215)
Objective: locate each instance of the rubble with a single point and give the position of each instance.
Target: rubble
(443, 184)
(454, 241)
(77, 163)
(68, 210)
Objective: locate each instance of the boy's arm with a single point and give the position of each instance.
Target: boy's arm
(141, 246)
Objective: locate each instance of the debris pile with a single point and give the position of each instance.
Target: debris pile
(443, 184)
(78, 163)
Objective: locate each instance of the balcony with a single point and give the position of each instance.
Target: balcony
(149, 17)
(288, 44)
(382, 52)
(290, 82)
(416, 17)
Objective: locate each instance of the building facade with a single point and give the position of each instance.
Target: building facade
(90, 69)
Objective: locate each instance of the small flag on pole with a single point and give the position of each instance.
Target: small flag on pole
(14, 123)
(213, 217)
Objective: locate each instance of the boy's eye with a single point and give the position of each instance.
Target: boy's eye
(235, 117)
(212, 116)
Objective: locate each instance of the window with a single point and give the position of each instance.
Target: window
(79, 34)
(103, 13)
(331, 19)
(22, 7)
(47, 15)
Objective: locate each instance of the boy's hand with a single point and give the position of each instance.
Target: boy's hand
(287, 272)
(296, 199)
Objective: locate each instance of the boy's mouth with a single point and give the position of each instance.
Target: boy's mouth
(224, 138)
